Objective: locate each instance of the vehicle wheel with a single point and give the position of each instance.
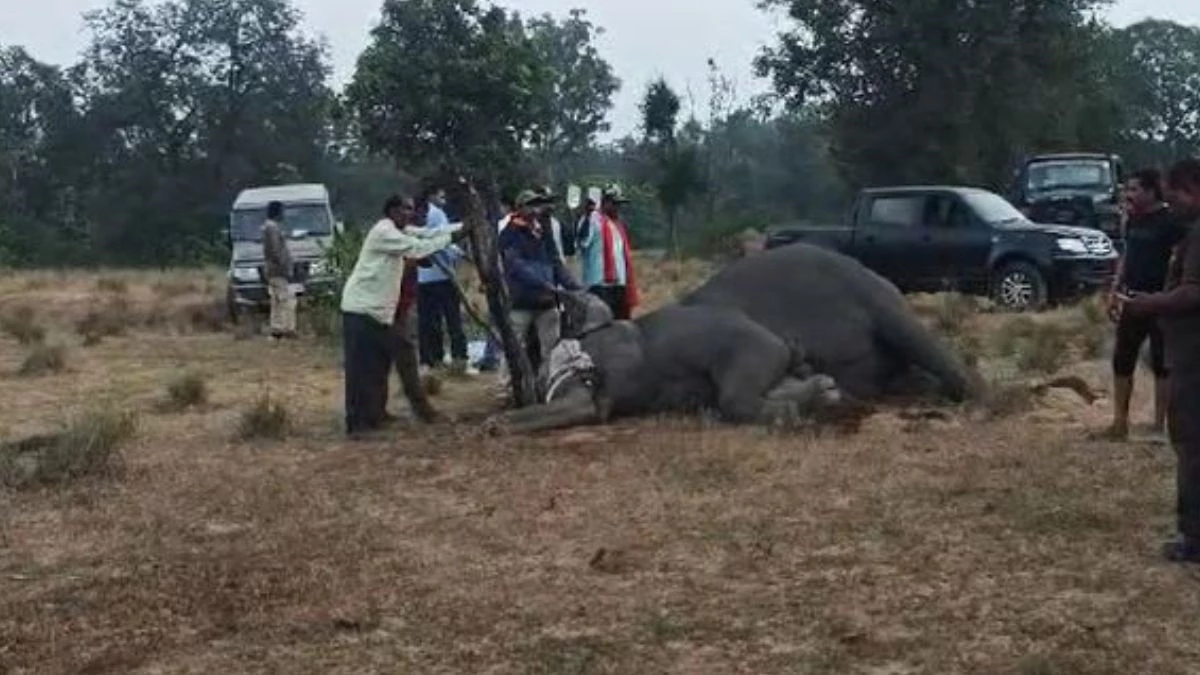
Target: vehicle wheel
(1019, 287)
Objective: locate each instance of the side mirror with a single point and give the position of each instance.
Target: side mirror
(339, 227)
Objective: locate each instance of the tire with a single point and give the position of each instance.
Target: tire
(1019, 286)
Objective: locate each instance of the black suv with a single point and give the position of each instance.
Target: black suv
(939, 238)
(1078, 188)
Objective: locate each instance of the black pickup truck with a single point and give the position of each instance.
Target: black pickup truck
(939, 238)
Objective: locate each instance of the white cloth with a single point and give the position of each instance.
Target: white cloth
(567, 360)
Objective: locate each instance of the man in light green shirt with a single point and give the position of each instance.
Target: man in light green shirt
(368, 307)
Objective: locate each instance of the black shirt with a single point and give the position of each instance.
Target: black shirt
(1149, 241)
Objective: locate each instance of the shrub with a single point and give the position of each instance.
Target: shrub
(44, 359)
(21, 323)
(265, 419)
(189, 390)
(89, 445)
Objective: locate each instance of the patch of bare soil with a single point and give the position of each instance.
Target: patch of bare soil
(927, 542)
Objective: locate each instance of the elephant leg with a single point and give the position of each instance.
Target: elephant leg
(795, 399)
(575, 408)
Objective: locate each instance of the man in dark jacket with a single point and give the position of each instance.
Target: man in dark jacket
(1178, 311)
(533, 272)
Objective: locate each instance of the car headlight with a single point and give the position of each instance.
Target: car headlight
(246, 274)
(1072, 246)
(318, 267)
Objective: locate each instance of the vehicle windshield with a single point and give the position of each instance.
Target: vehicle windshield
(246, 224)
(1090, 174)
(992, 208)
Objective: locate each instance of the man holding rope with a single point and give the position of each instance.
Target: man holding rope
(534, 272)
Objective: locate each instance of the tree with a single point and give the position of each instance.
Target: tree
(1159, 65)
(932, 90)
(675, 159)
(578, 93)
(38, 120)
(187, 101)
(445, 83)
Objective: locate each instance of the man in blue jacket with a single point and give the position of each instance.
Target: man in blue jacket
(533, 272)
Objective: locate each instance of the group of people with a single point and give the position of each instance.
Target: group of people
(402, 290)
(1156, 297)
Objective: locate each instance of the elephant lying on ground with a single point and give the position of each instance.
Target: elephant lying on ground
(770, 339)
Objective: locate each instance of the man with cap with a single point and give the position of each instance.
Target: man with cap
(534, 273)
(606, 255)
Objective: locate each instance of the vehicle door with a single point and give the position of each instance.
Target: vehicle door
(958, 245)
(888, 236)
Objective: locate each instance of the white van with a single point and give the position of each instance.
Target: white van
(308, 224)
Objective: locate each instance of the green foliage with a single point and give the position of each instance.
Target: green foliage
(132, 156)
(340, 255)
(942, 91)
(675, 159)
(579, 91)
(450, 82)
(1157, 63)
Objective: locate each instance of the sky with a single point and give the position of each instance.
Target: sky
(643, 39)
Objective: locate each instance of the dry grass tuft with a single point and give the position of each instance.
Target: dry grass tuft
(1045, 351)
(433, 384)
(265, 419)
(44, 359)
(1009, 397)
(112, 285)
(208, 315)
(954, 312)
(114, 318)
(1008, 340)
(189, 390)
(89, 446)
(175, 287)
(21, 324)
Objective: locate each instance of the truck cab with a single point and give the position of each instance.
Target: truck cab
(1080, 188)
(308, 224)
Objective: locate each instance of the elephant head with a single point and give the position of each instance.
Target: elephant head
(583, 313)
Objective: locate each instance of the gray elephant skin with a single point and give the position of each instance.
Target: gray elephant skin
(769, 339)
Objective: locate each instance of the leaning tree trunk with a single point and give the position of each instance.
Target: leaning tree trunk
(482, 235)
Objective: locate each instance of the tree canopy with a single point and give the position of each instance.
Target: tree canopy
(133, 155)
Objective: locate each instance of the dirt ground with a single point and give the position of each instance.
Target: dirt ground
(942, 545)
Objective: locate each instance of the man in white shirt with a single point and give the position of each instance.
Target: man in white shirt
(369, 301)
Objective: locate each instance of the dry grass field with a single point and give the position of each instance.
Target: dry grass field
(202, 514)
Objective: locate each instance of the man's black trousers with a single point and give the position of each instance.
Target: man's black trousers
(1183, 422)
(367, 349)
(437, 304)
